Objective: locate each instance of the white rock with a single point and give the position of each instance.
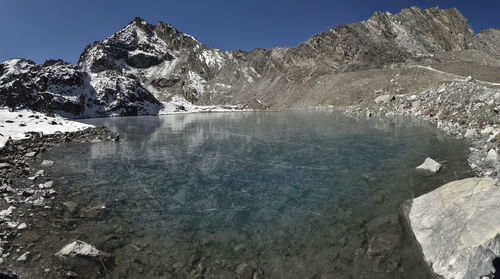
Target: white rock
(487, 130)
(492, 156)
(47, 163)
(494, 135)
(470, 133)
(384, 99)
(78, 248)
(30, 154)
(22, 226)
(429, 165)
(23, 257)
(6, 212)
(458, 227)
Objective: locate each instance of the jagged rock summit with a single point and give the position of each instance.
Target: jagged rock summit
(143, 67)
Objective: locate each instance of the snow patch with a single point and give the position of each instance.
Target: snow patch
(15, 124)
(197, 82)
(212, 58)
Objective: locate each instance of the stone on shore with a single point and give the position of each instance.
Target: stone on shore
(429, 165)
(384, 99)
(492, 156)
(470, 134)
(78, 248)
(458, 227)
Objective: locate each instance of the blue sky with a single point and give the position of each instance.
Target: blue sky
(49, 29)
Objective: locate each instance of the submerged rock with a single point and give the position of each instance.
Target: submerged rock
(23, 257)
(429, 165)
(245, 271)
(78, 248)
(457, 227)
(47, 163)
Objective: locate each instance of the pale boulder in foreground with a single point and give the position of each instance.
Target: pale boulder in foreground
(78, 248)
(429, 165)
(458, 227)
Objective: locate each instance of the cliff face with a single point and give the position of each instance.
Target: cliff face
(143, 66)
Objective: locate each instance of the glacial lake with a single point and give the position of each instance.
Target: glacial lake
(294, 194)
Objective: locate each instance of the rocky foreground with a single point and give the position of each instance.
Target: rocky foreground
(30, 203)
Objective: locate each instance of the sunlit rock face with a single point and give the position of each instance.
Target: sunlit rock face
(143, 66)
(458, 227)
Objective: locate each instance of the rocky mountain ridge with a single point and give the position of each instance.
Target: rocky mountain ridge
(142, 67)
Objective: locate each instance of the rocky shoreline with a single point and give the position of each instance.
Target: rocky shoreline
(455, 226)
(30, 204)
(464, 108)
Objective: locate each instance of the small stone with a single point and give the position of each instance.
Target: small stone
(239, 248)
(28, 192)
(71, 275)
(245, 271)
(40, 172)
(4, 165)
(470, 133)
(23, 257)
(48, 184)
(385, 99)
(47, 163)
(487, 130)
(30, 154)
(70, 206)
(429, 165)
(492, 156)
(22, 226)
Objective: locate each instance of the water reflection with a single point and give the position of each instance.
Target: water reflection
(294, 189)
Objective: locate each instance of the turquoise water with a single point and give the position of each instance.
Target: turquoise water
(291, 193)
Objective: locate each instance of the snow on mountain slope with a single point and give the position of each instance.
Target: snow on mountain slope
(143, 67)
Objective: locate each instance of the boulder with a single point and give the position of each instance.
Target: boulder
(78, 248)
(458, 227)
(429, 166)
(385, 98)
(492, 156)
(487, 130)
(470, 133)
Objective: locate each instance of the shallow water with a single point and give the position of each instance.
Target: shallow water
(296, 194)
